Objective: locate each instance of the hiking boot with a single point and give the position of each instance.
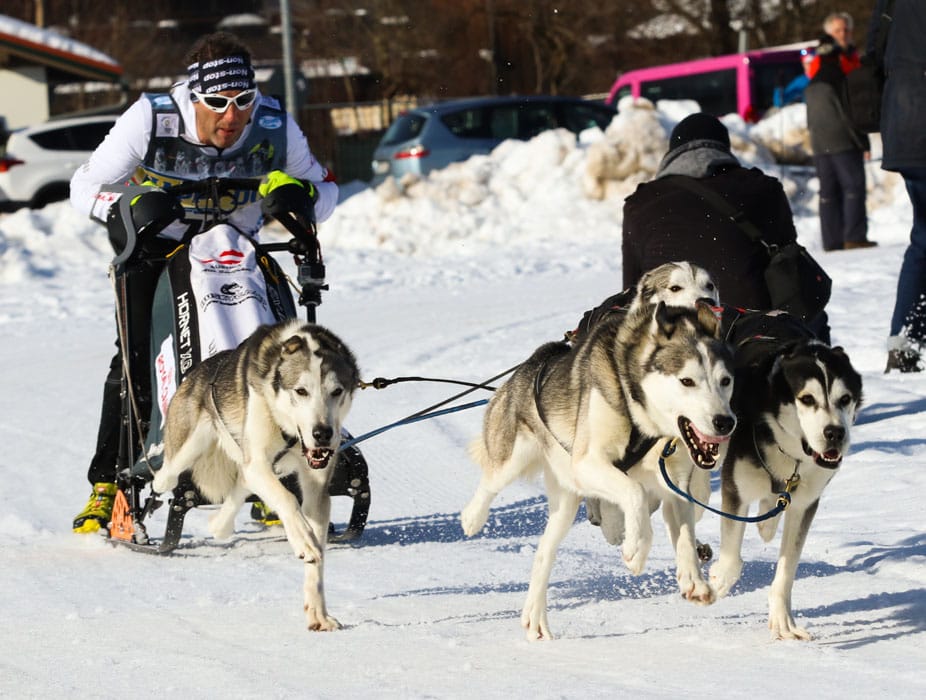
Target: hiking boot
(903, 360)
(98, 511)
(852, 245)
(262, 514)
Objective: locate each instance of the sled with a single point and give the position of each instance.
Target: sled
(140, 425)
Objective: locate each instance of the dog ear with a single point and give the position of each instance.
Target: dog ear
(665, 321)
(293, 345)
(707, 319)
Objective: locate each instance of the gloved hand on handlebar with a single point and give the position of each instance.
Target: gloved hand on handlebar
(289, 201)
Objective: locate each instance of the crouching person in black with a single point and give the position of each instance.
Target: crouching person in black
(705, 208)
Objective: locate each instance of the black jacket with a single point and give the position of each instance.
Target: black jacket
(904, 104)
(831, 130)
(663, 222)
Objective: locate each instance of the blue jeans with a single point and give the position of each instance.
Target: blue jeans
(909, 317)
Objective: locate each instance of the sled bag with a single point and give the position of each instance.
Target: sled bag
(796, 282)
(210, 297)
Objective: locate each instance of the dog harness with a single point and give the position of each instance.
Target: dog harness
(638, 444)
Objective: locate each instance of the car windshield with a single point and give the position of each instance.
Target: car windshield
(404, 128)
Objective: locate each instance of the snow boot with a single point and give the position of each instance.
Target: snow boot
(98, 511)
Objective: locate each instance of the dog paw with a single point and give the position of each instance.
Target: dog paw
(724, 575)
(163, 482)
(768, 528)
(784, 627)
(320, 623)
(473, 518)
(780, 621)
(612, 523)
(301, 538)
(220, 527)
(695, 589)
(635, 549)
(534, 622)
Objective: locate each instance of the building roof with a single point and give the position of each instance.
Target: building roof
(26, 43)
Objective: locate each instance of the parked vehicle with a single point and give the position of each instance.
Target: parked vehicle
(432, 137)
(37, 162)
(744, 83)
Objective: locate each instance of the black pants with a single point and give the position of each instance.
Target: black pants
(843, 218)
(140, 282)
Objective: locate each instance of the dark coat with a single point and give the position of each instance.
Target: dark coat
(904, 104)
(664, 222)
(831, 130)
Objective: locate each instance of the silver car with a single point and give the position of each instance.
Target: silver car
(429, 138)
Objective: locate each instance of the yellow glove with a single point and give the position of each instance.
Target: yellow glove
(146, 183)
(277, 178)
(289, 201)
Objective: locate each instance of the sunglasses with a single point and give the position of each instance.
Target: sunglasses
(219, 103)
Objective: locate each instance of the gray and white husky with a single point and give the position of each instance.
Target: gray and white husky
(796, 399)
(586, 415)
(245, 417)
(678, 284)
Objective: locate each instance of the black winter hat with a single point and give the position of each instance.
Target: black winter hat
(699, 127)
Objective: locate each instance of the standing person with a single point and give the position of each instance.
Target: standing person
(839, 153)
(838, 26)
(665, 221)
(904, 143)
(208, 125)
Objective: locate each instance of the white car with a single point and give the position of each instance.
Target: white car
(37, 163)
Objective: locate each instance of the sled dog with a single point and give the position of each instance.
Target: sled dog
(245, 417)
(586, 415)
(796, 399)
(677, 284)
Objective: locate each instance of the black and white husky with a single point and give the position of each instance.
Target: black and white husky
(796, 399)
(587, 415)
(245, 417)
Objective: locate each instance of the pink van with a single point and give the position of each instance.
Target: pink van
(742, 82)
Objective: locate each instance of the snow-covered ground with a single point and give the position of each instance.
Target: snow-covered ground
(461, 276)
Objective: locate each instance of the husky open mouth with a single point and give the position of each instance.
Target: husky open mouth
(318, 457)
(702, 448)
(830, 459)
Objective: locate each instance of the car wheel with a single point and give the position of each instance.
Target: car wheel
(54, 192)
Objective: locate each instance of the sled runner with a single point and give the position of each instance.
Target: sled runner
(203, 294)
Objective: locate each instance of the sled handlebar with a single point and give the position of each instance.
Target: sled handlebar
(216, 185)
